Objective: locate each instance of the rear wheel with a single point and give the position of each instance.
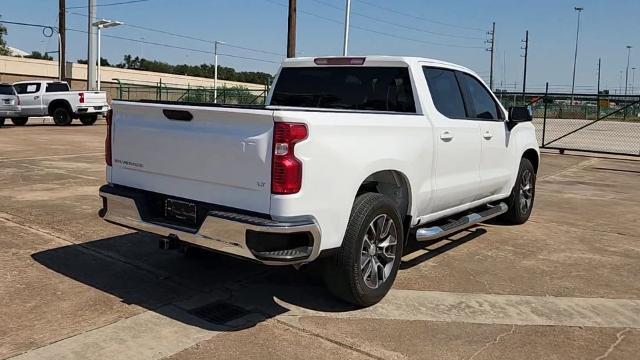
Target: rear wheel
(520, 201)
(62, 116)
(88, 119)
(366, 265)
(21, 121)
(1, 122)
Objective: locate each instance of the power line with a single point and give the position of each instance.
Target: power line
(189, 37)
(110, 4)
(378, 32)
(419, 17)
(397, 24)
(176, 47)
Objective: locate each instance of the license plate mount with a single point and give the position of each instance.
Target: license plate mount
(181, 211)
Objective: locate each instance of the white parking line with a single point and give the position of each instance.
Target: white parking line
(492, 309)
(149, 335)
(52, 157)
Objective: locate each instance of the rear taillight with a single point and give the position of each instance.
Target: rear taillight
(107, 140)
(286, 169)
(81, 95)
(18, 98)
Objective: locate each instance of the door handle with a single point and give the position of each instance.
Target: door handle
(446, 136)
(36, 97)
(487, 135)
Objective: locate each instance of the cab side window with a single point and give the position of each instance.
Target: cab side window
(27, 88)
(480, 103)
(445, 92)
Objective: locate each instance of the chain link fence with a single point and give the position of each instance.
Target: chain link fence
(600, 123)
(161, 92)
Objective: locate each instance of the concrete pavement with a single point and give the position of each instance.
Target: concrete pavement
(566, 285)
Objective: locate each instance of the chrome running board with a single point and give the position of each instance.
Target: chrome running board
(435, 232)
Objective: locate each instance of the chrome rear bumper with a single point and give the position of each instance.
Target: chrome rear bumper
(221, 231)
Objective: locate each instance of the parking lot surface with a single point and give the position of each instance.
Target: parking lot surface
(566, 285)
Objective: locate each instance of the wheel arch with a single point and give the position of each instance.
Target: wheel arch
(59, 103)
(533, 156)
(393, 184)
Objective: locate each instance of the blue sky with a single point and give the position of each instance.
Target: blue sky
(607, 27)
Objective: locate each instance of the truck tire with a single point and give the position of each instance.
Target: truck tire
(62, 116)
(1, 122)
(520, 201)
(366, 265)
(21, 121)
(88, 119)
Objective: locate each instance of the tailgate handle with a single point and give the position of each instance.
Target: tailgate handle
(180, 115)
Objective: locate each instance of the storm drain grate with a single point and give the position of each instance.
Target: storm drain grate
(219, 312)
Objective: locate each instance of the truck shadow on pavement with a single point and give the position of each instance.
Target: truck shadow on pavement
(208, 290)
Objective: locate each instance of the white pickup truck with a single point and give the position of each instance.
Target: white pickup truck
(55, 98)
(351, 158)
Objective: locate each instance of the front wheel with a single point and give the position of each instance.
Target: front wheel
(520, 201)
(366, 265)
(21, 121)
(88, 119)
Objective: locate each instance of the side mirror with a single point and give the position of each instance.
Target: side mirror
(520, 114)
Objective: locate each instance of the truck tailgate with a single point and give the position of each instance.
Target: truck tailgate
(220, 156)
(94, 97)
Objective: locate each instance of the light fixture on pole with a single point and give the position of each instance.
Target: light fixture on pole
(575, 55)
(347, 13)
(102, 24)
(215, 70)
(626, 76)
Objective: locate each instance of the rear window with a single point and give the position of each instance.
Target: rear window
(7, 90)
(57, 87)
(350, 88)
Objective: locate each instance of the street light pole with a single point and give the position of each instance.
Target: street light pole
(347, 13)
(575, 55)
(99, 66)
(215, 70)
(633, 80)
(102, 24)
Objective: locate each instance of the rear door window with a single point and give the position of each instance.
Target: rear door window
(481, 103)
(386, 89)
(57, 87)
(445, 92)
(7, 90)
(27, 88)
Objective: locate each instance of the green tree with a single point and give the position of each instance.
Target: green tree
(4, 50)
(203, 70)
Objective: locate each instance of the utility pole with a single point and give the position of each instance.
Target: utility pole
(347, 12)
(575, 54)
(598, 90)
(291, 28)
(492, 49)
(626, 76)
(63, 38)
(215, 70)
(599, 69)
(526, 54)
(92, 49)
(633, 80)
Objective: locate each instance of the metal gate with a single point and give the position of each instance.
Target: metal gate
(600, 123)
